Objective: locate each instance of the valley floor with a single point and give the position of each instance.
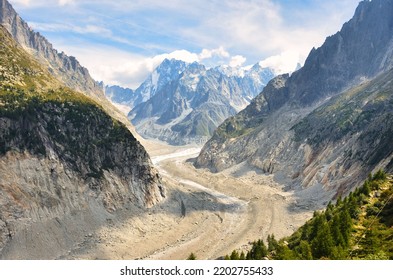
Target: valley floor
(204, 213)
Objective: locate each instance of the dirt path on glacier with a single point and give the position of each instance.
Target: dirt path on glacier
(204, 213)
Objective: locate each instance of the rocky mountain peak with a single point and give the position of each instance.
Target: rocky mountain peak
(360, 50)
(168, 66)
(65, 68)
(196, 67)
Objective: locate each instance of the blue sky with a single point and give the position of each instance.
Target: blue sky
(121, 41)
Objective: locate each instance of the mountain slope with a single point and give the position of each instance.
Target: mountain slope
(65, 68)
(187, 101)
(273, 132)
(65, 165)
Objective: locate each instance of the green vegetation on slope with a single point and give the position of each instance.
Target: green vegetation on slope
(357, 227)
(365, 110)
(39, 115)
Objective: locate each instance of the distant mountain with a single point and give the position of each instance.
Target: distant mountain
(126, 99)
(166, 72)
(119, 94)
(65, 68)
(66, 166)
(251, 80)
(122, 98)
(184, 103)
(328, 124)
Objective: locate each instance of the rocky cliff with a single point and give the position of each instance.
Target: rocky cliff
(66, 167)
(274, 132)
(65, 68)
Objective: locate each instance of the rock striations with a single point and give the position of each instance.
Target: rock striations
(327, 125)
(181, 103)
(66, 167)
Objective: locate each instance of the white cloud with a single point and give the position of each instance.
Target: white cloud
(113, 66)
(66, 2)
(237, 60)
(259, 29)
(22, 2)
(285, 62)
(116, 67)
(37, 3)
(255, 29)
(60, 27)
(178, 54)
(220, 52)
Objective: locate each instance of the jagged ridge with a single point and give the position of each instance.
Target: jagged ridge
(63, 161)
(65, 68)
(262, 135)
(187, 101)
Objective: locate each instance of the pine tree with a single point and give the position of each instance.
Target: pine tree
(316, 225)
(234, 255)
(339, 253)
(272, 243)
(191, 257)
(336, 231)
(322, 245)
(284, 253)
(380, 175)
(339, 201)
(258, 251)
(304, 251)
(366, 189)
(345, 225)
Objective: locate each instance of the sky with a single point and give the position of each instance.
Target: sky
(122, 41)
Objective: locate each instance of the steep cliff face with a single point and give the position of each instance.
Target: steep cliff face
(65, 165)
(267, 134)
(65, 68)
(362, 49)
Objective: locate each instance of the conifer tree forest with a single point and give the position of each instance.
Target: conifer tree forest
(360, 226)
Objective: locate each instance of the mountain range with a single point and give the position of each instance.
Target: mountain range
(182, 103)
(322, 129)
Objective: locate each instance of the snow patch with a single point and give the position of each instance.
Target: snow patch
(154, 79)
(192, 81)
